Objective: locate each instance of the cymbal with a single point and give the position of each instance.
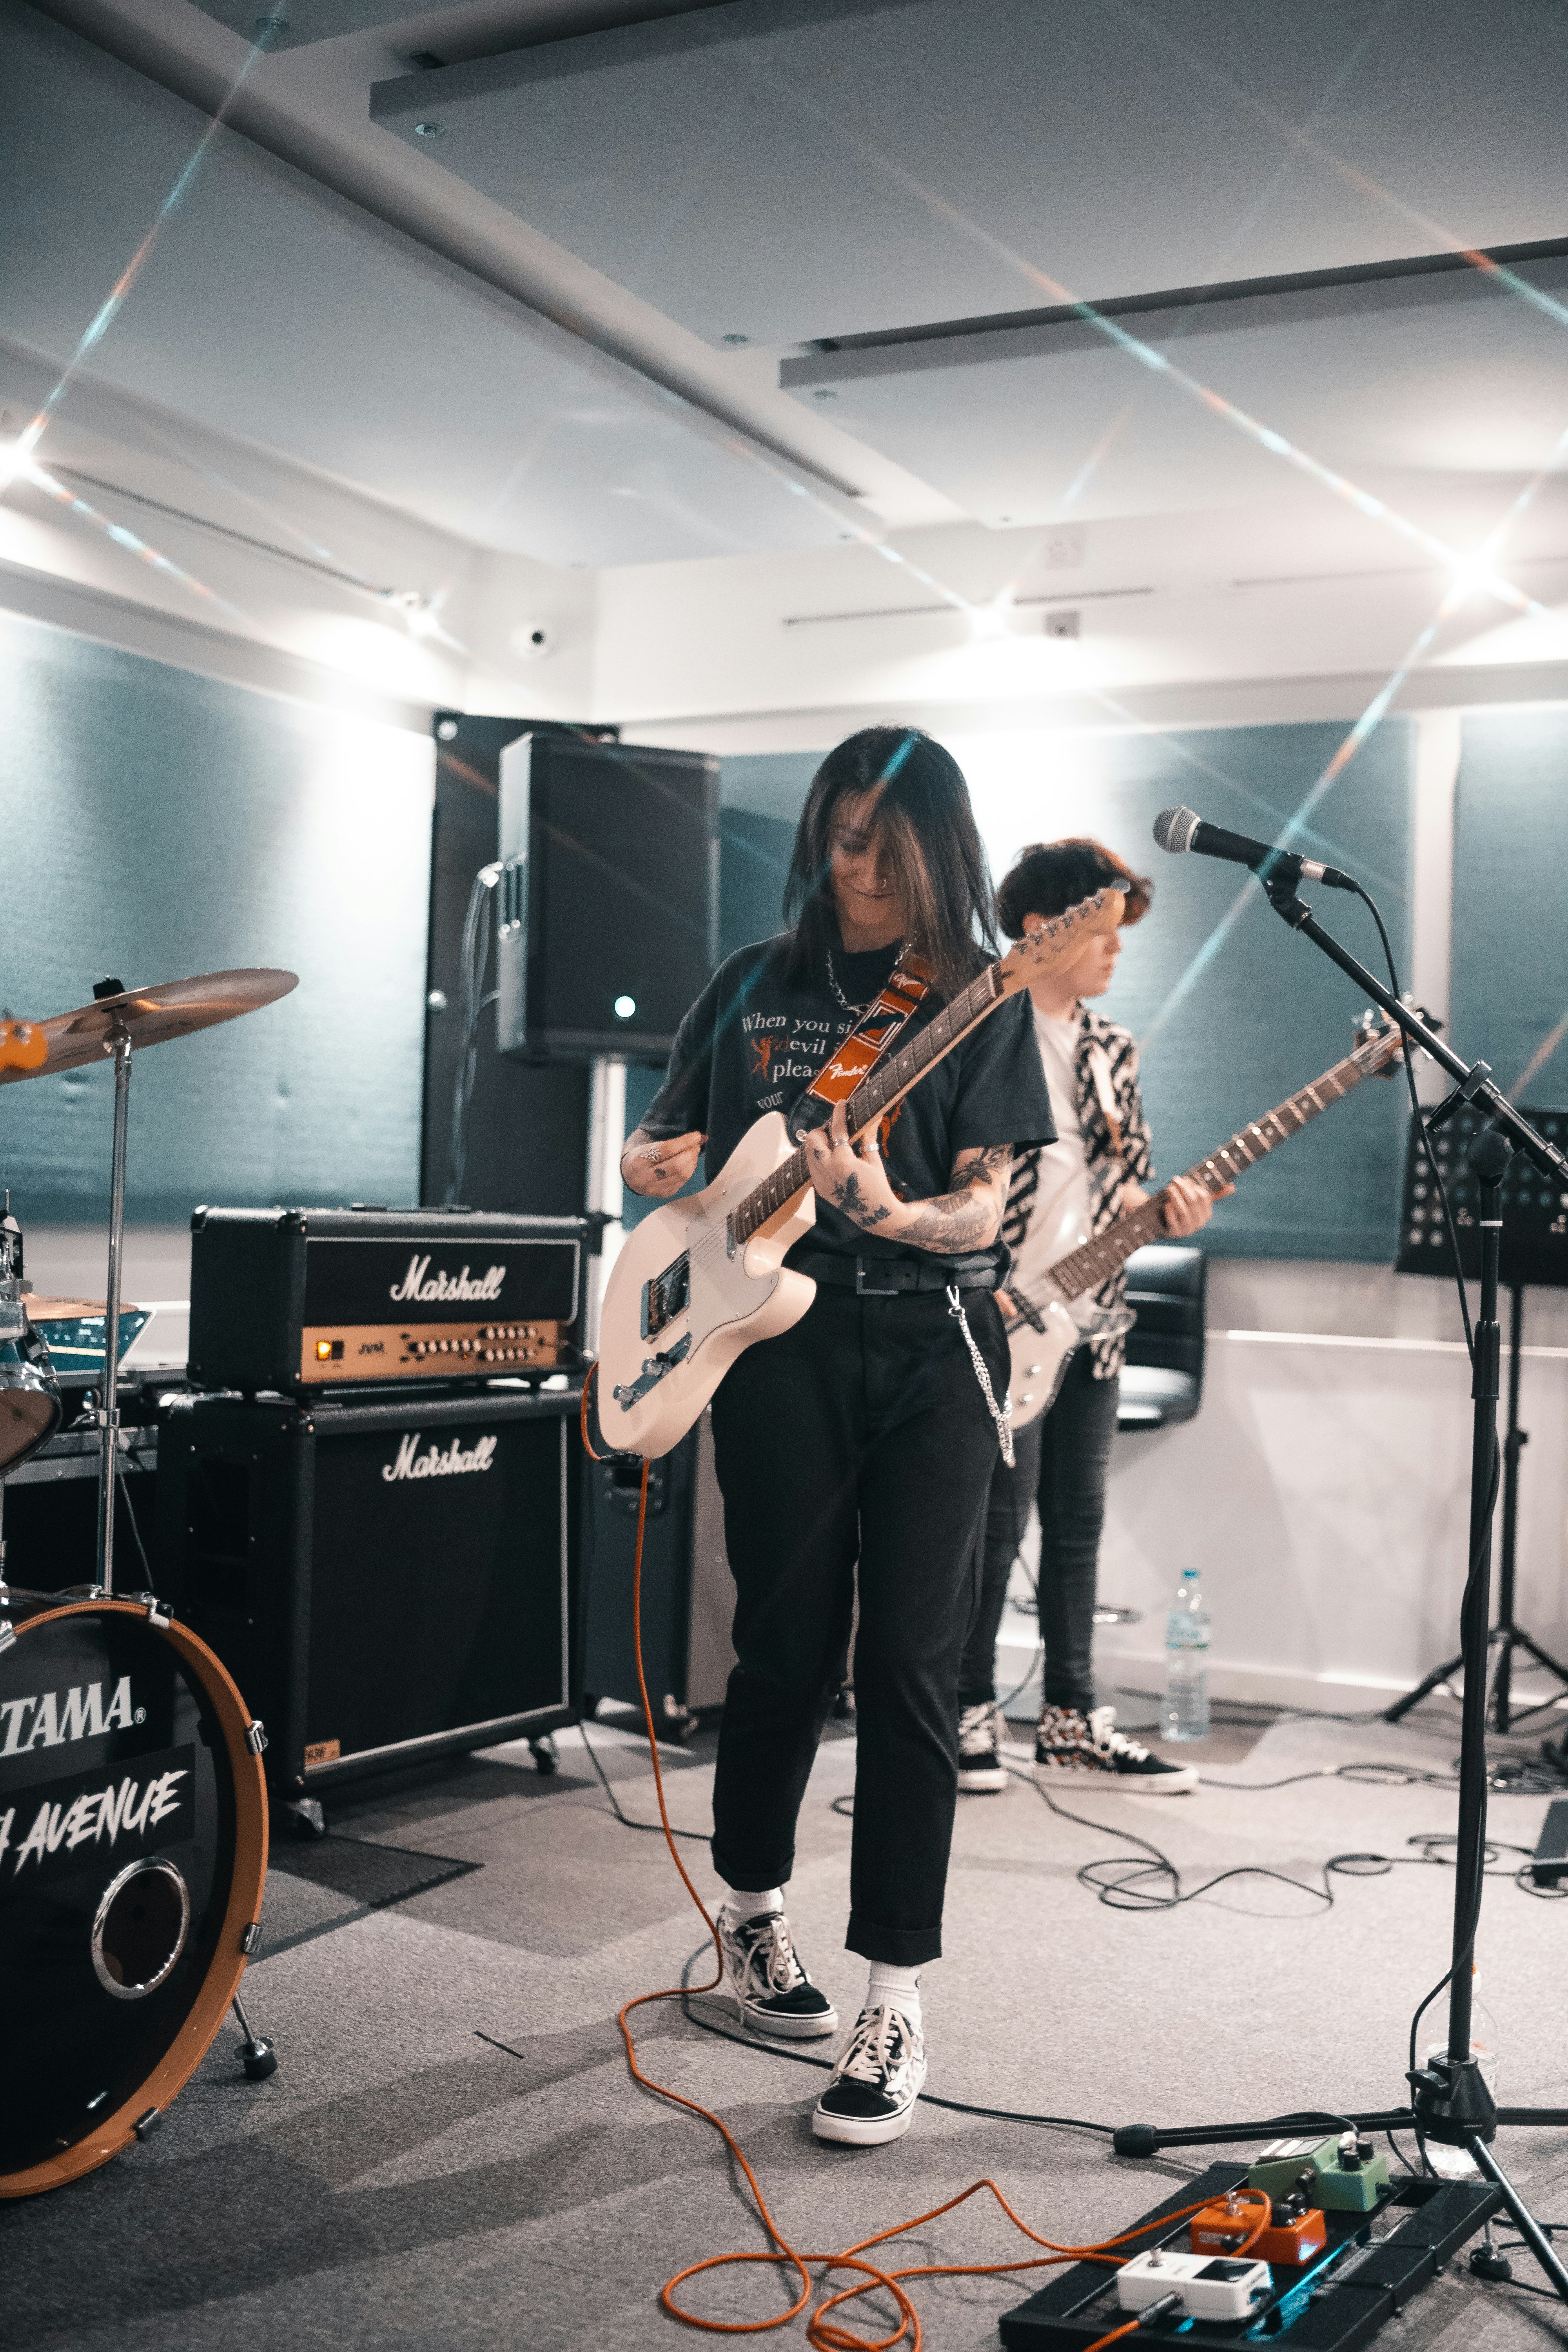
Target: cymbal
(148, 1016)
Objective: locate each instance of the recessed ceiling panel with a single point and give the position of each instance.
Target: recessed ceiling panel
(1171, 411)
(294, 24)
(265, 307)
(781, 171)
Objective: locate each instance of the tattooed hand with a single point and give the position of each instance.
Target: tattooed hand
(851, 1175)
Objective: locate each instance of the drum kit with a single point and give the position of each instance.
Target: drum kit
(133, 1800)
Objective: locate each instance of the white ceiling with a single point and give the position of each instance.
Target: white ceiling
(1450, 373)
(272, 309)
(513, 331)
(786, 169)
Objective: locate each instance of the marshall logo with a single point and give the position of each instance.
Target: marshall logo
(419, 1284)
(453, 1464)
(50, 1721)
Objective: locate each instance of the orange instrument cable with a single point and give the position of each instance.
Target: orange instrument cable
(823, 2333)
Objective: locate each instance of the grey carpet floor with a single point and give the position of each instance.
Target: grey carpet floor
(451, 2154)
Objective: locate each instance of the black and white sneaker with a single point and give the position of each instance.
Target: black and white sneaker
(766, 1982)
(1072, 1746)
(980, 1765)
(871, 2092)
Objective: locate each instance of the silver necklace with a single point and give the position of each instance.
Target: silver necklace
(855, 1012)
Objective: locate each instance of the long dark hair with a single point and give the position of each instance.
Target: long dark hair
(923, 816)
(1049, 876)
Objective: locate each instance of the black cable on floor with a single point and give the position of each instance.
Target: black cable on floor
(1124, 1893)
(624, 1819)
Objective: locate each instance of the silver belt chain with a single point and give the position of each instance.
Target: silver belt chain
(1001, 1415)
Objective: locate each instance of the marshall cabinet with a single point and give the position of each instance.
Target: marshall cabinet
(386, 1581)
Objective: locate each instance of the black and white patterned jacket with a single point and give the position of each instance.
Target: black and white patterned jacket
(1108, 1173)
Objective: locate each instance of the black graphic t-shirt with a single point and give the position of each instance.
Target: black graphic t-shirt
(753, 1041)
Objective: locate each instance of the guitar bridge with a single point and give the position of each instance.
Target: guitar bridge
(665, 1295)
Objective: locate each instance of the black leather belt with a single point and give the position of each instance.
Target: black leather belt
(883, 1277)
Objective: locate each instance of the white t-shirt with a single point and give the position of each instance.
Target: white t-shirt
(1059, 1217)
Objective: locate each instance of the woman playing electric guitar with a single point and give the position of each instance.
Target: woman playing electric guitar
(854, 1450)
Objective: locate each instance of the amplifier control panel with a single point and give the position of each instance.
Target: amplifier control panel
(376, 1351)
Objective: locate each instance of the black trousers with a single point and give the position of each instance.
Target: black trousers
(854, 1452)
(1062, 1462)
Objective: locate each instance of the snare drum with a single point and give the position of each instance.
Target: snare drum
(132, 1856)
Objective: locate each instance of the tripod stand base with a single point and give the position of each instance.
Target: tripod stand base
(1333, 2304)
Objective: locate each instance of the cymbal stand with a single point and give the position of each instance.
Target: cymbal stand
(117, 1043)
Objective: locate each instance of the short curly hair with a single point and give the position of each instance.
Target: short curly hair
(1051, 876)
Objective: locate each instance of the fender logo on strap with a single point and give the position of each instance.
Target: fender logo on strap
(907, 990)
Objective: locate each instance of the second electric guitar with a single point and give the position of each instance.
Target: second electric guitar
(701, 1279)
(1045, 1334)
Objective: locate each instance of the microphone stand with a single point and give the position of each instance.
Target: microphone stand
(1451, 2102)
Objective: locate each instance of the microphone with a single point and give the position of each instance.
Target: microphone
(1178, 830)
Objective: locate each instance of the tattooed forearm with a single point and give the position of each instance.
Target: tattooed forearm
(953, 1222)
(969, 1217)
(849, 1197)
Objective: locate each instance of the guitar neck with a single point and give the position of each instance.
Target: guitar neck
(876, 1093)
(1095, 1261)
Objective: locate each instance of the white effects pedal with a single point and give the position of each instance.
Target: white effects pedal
(1212, 2286)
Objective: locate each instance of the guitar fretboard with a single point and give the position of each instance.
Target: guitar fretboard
(1095, 1261)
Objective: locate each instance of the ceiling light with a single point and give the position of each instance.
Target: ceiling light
(737, 339)
(429, 130)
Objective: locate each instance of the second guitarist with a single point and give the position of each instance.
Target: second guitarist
(1096, 1170)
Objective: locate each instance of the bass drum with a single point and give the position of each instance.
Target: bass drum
(133, 1856)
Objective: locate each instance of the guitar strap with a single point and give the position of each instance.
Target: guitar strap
(902, 996)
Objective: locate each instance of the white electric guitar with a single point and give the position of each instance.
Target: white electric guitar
(701, 1280)
(1045, 1334)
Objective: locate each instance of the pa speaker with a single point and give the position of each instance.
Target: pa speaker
(608, 924)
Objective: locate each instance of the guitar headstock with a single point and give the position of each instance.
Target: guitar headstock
(1377, 1040)
(23, 1046)
(1060, 939)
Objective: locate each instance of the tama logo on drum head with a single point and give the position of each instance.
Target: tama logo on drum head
(455, 1462)
(50, 1719)
(420, 1283)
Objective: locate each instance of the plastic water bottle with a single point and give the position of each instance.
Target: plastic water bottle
(1186, 1712)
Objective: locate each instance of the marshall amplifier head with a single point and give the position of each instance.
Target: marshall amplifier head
(305, 1299)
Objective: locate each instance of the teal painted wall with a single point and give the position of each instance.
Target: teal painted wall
(157, 825)
(1510, 986)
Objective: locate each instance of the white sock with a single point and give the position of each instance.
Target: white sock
(899, 1988)
(751, 1902)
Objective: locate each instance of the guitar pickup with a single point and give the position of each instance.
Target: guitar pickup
(665, 1295)
(1028, 1309)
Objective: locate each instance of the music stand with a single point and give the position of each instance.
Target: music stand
(1534, 1251)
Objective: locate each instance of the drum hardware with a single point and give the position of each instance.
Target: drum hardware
(29, 1393)
(118, 1021)
(128, 1960)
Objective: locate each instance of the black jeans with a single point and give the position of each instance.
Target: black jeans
(1062, 1461)
(859, 1436)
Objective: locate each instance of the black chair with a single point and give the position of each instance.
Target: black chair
(1162, 1382)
